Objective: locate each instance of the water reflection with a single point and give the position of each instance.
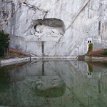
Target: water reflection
(49, 85)
(54, 88)
(54, 84)
(101, 69)
(90, 68)
(4, 80)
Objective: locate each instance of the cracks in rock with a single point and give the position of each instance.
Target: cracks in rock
(4, 1)
(12, 12)
(35, 8)
(46, 12)
(15, 11)
(99, 28)
(78, 13)
(76, 16)
(5, 14)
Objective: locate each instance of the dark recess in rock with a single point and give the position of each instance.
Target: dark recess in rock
(51, 22)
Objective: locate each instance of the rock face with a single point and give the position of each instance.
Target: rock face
(65, 26)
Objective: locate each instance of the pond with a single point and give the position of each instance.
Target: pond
(54, 84)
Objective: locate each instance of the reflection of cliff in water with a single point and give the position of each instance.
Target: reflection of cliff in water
(6, 84)
(49, 86)
(90, 86)
(4, 80)
(63, 83)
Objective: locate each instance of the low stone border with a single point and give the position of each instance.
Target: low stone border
(12, 61)
(100, 59)
(53, 58)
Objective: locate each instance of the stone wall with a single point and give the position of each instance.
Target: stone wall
(83, 20)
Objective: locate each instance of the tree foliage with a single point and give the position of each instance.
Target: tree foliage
(105, 52)
(4, 43)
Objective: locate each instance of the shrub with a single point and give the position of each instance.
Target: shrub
(105, 52)
(4, 43)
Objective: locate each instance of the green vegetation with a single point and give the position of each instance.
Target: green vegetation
(105, 52)
(4, 43)
(90, 47)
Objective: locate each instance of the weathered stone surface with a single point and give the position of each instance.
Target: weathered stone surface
(83, 20)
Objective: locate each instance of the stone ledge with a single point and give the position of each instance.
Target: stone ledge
(55, 58)
(13, 61)
(95, 59)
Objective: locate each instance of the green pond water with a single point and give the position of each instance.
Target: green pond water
(54, 84)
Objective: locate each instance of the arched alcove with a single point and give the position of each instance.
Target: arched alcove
(50, 22)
